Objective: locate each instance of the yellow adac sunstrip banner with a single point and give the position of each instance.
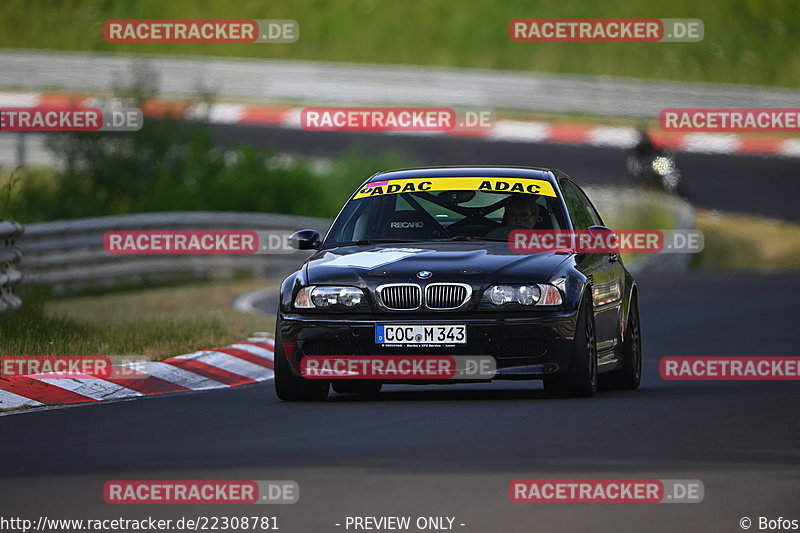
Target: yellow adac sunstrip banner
(490, 184)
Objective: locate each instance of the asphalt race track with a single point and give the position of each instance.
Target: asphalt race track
(747, 184)
(453, 450)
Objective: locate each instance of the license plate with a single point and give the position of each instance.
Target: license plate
(410, 334)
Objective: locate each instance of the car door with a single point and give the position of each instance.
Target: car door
(603, 269)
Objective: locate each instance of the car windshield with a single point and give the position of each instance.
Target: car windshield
(479, 209)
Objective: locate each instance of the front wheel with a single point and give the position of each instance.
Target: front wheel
(580, 381)
(291, 388)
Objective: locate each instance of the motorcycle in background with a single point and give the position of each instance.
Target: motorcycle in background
(654, 168)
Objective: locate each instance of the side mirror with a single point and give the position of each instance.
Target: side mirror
(610, 238)
(602, 229)
(305, 239)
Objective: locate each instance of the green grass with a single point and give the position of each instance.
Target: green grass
(745, 242)
(157, 323)
(35, 194)
(746, 41)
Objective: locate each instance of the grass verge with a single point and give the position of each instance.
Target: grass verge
(745, 41)
(157, 322)
(743, 242)
(271, 184)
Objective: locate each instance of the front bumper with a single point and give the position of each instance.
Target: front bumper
(524, 345)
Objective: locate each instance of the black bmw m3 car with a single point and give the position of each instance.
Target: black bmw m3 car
(418, 264)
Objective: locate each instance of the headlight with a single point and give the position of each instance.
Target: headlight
(501, 294)
(321, 297)
(534, 294)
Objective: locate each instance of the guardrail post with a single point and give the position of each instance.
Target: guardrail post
(22, 158)
(10, 255)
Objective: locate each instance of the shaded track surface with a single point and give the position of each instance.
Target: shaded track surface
(453, 450)
(747, 184)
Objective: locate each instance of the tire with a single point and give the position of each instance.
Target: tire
(291, 388)
(580, 380)
(629, 375)
(356, 387)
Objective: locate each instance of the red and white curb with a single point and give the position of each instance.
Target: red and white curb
(504, 130)
(238, 364)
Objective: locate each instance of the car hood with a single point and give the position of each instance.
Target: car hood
(472, 262)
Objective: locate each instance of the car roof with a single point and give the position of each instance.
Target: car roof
(465, 171)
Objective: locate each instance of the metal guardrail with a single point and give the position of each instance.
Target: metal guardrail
(68, 255)
(10, 255)
(328, 83)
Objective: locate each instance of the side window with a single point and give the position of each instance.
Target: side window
(359, 218)
(593, 214)
(578, 209)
